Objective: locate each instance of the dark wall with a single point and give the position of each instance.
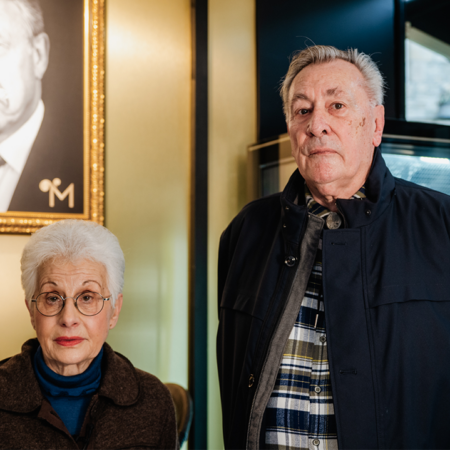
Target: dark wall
(286, 26)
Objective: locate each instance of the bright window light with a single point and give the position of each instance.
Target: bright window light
(427, 67)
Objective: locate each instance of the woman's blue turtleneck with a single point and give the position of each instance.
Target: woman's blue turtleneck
(69, 396)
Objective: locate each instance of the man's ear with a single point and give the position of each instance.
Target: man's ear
(41, 51)
(115, 315)
(379, 125)
(31, 311)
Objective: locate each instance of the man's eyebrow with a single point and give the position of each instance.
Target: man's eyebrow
(328, 93)
(299, 96)
(334, 91)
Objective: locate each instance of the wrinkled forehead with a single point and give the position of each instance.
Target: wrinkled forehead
(12, 23)
(55, 270)
(335, 78)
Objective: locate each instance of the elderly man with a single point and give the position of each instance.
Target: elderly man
(24, 50)
(334, 295)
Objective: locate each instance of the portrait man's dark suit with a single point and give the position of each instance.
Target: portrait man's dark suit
(49, 159)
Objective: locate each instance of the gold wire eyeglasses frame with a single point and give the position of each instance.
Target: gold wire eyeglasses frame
(75, 299)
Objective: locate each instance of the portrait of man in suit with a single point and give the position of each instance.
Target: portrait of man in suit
(41, 125)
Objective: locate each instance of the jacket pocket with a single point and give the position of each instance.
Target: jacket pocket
(245, 303)
(425, 291)
(411, 348)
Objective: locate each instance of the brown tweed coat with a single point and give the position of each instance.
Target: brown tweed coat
(132, 409)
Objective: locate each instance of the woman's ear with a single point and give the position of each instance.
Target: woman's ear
(31, 311)
(116, 311)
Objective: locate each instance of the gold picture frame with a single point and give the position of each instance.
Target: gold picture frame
(25, 222)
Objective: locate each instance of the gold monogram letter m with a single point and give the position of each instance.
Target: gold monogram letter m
(52, 188)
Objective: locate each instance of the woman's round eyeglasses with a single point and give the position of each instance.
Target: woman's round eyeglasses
(88, 303)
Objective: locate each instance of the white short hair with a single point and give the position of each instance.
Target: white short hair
(30, 12)
(73, 240)
(317, 54)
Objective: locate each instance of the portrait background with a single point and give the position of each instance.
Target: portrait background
(59, 144)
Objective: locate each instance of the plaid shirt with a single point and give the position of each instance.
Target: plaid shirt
(300, 412)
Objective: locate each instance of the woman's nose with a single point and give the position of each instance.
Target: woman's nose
(69, 315)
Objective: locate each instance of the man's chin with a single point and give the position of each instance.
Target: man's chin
(4, 99)
(321, 174)
(4, 129)
(8, 124)
(321, 181)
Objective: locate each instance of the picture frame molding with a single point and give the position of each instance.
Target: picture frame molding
(93, 132)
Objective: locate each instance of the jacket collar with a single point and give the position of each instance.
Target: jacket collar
(120, 381)
(19, 388)
(20, 391)
(380, 188)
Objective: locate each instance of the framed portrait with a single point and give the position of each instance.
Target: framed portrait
(52, 74)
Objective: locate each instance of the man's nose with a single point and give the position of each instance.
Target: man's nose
(69, 316)
(318, 123)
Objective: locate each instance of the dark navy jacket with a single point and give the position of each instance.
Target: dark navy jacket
(386, 280)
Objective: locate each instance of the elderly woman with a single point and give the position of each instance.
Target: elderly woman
(68, 388)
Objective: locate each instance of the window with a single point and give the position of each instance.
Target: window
(427, 69)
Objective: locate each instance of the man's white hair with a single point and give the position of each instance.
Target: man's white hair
(72, 241)
(31, 15)
(317, 54)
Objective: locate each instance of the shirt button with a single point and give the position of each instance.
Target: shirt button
(323, 338)
(333, 221)
(316, 442)
(317, 389)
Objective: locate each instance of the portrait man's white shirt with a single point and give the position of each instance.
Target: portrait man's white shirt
(15, 151)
